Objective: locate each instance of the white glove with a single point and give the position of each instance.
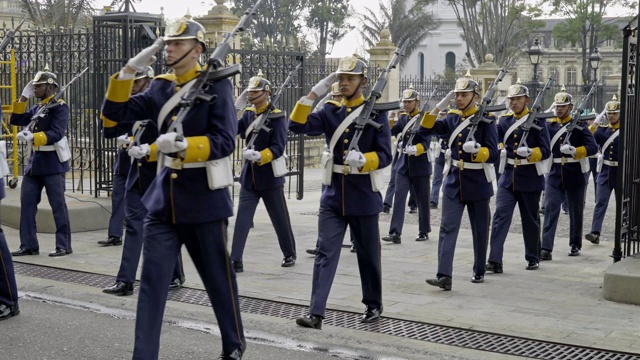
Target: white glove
(568, 149)
(28, 90)
(444, 103)
(471, 147)
(251, 155)
(241, 102)
(123, 140)
(600, 117)
(524, 151)
(324, 85)
(168, 144)
(139, 152)
(146, 56)
(355, 159)
(411, 150)
(25, 135)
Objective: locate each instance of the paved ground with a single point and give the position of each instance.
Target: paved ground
(560, 302)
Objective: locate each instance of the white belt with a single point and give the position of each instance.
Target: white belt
(593, 156)
(178, 164)
(564, 160)
(347, 170)
(466, 165)
(44, 148)
(610, 163)
(519, 162)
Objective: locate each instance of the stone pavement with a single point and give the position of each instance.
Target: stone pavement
(560, 302)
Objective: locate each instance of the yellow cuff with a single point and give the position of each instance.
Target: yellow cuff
(39, 139)
(428, 121)
(500, 146)
(300, 113)
(372, 162)
(481, 156)
(106, 123)
(420, 149)
(198, 149)
(19, 108)
(153, 153)
(392, 122)
(581, 152)
(536, 155)
(593, 128)
(119, 90)
(266, 156)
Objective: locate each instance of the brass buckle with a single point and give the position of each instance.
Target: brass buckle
(461, 164)
(346, 169)
(563, 161)
(175, 164)
(516, 162)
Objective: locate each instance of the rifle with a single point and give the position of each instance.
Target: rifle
(368, 112)
(416, 126)
(261, 125)
(138, 130)
(214, 71)
(536, 108)
(10, 35)
(44, 110)
(485, 106)
(576, 116)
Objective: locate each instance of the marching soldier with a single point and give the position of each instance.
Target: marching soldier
(412, 169)
(521, 182)
(45, 168)
(469, 182)
(258, 180)
(439, 147)
(352, 197)
(607, 138)
(140, 174)
(566, 177)
(183, 208)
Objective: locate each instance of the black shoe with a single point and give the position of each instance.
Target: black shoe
(413, 209)
(433, 206)
(533, 265)
(575, 251)
(353, 248)
(593, 237)
(477, 279)
(393, 237)
(60, 252)
(371, 315)
(176, 284)
(565, 211)
(541, 211)
(8, 311)
(288, 261)
(119, 288)
(493, 267)
(310, 321)
(111, 241)
(237, 266)
(386, 208)
(23, 252)
(545, 255)
(312, 251)
(443, 282)
(422, 237)
(235, 355)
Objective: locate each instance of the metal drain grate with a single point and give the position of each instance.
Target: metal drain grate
(477, 340)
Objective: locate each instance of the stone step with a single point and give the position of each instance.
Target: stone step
(622, 281)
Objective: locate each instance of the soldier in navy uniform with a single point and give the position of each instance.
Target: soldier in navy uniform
(140, 174)
(44, 168)
(521, 181)
(566, 177)
(352, 198)
(257, 179)
(184, 206)
(413, 169)
(467, 183)
(438, 165)
(607, 138)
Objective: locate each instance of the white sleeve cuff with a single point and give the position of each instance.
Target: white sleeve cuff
(305, 101)
(125, 76)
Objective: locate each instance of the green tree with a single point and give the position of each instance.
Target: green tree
(586, 26)
(276, 20)
(327, 21)
(497, 27)
(406, 20)
(67, 14)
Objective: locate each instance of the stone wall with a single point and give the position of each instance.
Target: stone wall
(312, 152)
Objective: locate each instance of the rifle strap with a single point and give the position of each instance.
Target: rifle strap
(252, 126)
(343, 125)
(409, 126)
(609, 141)
(457, 130)
(555, 138)
(173, 102)
(513, 127)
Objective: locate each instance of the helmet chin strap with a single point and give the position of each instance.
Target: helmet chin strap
(257, 97)
(181, 57)
(356, 90)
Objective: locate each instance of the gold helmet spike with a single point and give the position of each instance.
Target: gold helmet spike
(468, 74)
(411, 86)
(46, 67)
(563, 89)
(519, 82)
(260, 73)
(615, 98)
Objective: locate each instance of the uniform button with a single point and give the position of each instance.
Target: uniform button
(345, 152)
(346, 130)
(173, 117)
(200, 146)
(459, 152)
(174, 176)
(459, 143)
(348, 109)
(139, 164)
(459, 135)
(515, 144)
(346, 141)
(515, 135)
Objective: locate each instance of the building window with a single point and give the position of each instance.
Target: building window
(572, 76)
(421, 65)
(554, 71)
(607, 71)
(450, 61)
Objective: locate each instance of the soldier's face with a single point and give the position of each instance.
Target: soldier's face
(563, 110)
(518, 103)
(613, 118)
(257, 97)
(409, 105)
(40, 91)
(465, 100)
(350, 84)
(175, 49)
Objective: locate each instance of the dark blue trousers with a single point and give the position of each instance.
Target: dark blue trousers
(206, 244)
(603, 194)
(391, 188)
(553, 197)
(331, 229)
(276, 206)
(403, 184)
(116, 220)
(132, 248)
(438, 168)
(479, 216)
(8, 288)
(30, 196)
(528, 204)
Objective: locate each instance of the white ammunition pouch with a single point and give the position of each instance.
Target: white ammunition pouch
(220, 173)
(377, 180)
(62, 149)
(503, 161)
(447, 163)
(600, 163)
(542, 166)
(4, 166)
(489, 172)
(327, 163)
(431, 152)
(279, 166)
(585, 166)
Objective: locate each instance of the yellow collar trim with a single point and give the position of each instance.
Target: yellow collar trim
(354, 102)
(44, 101)
(414, 112)
(262, 108)
(189, 75)
(616, 126)
(523, 113)
(564, 120)
(473, 110)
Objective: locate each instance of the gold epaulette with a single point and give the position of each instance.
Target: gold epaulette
(61, 102)
(403, 113)
(507, 114)
(167, 77)
(333, 102)
(455, 111)
(250, 108)
(276, 111)
(553, 119)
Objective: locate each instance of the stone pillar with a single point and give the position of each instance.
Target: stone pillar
(218, 21)
(380, 56)
(487, 72)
